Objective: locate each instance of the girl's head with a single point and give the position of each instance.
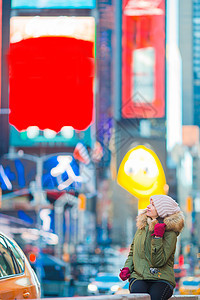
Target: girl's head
(151, 210)
(162, 205)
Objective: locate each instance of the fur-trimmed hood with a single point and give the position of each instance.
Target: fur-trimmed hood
(173, 222)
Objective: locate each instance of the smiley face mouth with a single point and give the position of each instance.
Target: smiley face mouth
(144, 184)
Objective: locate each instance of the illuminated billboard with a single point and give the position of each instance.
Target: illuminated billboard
(33, 137)
(143, 59)
(51, 62)
(55, 4)
(58, 172)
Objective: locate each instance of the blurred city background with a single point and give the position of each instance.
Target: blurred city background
(82, 83)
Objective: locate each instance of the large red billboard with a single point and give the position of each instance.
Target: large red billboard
(51, 62)
(143, 59)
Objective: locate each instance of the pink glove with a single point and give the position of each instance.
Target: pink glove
(159, 229)
(124, 274)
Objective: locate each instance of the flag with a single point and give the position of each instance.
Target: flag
(81, 154)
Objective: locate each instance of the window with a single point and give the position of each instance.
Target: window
(6, 262)
(19, 256)
(11, 262)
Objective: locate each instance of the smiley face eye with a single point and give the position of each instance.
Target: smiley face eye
(131, 168)
(151, 170)
(131, 171)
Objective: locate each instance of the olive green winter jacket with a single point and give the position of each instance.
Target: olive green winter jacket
(150, 257)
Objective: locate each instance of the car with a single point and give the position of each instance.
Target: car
(123, 290)
(189, 285)
(105, 283)
(17, 278)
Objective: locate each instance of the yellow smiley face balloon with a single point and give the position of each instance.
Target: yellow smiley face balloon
(142, 174)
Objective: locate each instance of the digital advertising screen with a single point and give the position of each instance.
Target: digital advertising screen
(143, 59)
(51, 61)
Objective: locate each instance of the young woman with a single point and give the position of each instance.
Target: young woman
(149, 266)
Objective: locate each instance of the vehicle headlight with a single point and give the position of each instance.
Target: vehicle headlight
(115, 288)
(92, 287)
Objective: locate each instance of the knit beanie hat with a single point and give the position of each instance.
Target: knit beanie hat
(165, 205)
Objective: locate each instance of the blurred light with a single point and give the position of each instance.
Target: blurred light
(66, 257)
(190, 135)
(32, 132)
(82, 202)
(187, 249)
(97, 251)
(46, 219)
(143, 7)
(145, 128)
(49, 134)
(189, 204)
(32, 258)
(20, 152)
(187, 165)
(67, 132)
(115, 288)
(181, 260)
(51, 238)
(29, 236)
(5, 178)
(78, 27)
(174, 77)
(92, 287)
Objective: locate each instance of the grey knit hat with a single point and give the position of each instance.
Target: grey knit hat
(165, 205)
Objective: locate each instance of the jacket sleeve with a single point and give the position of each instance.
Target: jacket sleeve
(129, 261)
(163, 248)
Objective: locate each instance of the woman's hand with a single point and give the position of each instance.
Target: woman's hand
(124, 274)
(159, 229)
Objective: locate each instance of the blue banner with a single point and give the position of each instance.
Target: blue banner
(55, 4)
(59, 172)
